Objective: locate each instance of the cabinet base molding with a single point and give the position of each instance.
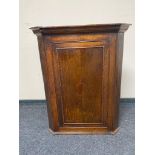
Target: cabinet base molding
(84, 131)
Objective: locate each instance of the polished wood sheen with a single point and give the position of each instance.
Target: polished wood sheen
(81, 68)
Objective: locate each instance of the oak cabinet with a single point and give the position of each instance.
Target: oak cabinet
(81, 68)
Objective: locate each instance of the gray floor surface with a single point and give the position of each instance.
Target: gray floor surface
(35, 139)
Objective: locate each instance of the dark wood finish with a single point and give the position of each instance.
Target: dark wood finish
(81, 68)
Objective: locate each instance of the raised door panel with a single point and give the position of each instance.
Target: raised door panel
(81, 84)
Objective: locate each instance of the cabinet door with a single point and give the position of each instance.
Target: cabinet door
(81, 71)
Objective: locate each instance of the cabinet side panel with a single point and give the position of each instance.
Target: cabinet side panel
(44, 72)
(119, 58)
(49, 83)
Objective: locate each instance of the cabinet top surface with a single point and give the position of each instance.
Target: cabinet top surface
(95, 28)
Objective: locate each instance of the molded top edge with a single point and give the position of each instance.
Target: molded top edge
(95, 28)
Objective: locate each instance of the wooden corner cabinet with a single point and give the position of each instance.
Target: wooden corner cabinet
(81, 68)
